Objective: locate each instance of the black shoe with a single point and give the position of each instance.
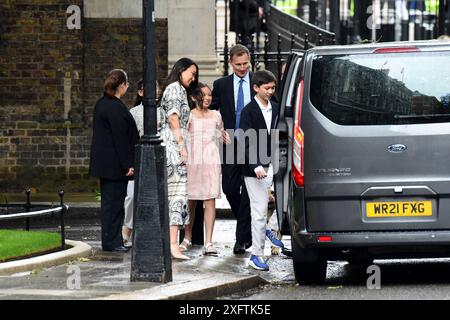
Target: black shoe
(239, 248)
(248, 244)
(287, 252)
(121, 249)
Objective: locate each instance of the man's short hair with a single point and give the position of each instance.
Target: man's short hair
(238, 50)
(263, 77)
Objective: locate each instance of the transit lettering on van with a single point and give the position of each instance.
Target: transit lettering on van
(333, 172)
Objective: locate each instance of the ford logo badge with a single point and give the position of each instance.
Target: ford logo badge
(396, 148)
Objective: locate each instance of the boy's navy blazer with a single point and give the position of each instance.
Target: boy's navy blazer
(223, 99)
(252, 118)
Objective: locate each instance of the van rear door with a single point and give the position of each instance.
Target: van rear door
(377, 140)
(282, 153)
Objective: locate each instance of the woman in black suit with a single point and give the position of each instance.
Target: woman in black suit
(112, 156)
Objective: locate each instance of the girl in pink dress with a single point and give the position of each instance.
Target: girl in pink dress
(204, 167)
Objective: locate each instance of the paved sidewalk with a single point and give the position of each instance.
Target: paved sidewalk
(105, 275)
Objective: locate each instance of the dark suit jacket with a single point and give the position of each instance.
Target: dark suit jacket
(113, 139)
(252, 118)
(223, 99)
(244, 15)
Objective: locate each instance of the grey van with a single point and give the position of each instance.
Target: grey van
(363, 162)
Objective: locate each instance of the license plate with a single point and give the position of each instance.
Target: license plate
(399, 209)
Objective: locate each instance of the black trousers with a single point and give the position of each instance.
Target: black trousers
(234, 188)
(113, 193)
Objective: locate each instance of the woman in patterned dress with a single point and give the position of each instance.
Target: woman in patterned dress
(174, 115)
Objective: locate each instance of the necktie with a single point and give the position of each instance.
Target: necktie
(239, 103)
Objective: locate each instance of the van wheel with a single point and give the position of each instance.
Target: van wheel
(310, 272)
(309, 266)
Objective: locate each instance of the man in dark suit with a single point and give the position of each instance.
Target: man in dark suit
(230, 95)
(246, 18)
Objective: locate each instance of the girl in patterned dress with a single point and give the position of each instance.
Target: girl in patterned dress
(174, 113)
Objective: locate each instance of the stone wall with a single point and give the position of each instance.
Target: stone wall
(50, 78)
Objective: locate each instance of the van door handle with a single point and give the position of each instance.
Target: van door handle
(386, 191)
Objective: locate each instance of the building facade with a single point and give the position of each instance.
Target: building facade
(54, 56)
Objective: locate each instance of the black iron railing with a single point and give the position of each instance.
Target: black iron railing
(264, 56)
(271, 49)
(9, 213)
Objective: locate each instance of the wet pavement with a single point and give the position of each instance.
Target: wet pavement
(107, 274)
(400, 279)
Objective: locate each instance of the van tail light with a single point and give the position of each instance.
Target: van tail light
(324, 239)
(298, 148)
(397, 49)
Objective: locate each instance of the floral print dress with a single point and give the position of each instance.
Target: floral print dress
(174, 101)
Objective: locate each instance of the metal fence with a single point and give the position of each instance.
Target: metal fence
(270, 49)
(9, 213)
(354, 21)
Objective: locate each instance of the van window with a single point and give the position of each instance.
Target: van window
(382, 89)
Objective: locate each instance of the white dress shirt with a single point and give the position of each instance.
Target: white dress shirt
(267, 113)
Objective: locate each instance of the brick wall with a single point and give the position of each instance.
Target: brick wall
(119, 45)
(50, 78)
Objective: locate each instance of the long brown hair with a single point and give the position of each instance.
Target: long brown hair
(114, 79)
(175, 74)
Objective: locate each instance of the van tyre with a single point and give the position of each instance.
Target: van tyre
(310, 272)
(309, 266)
